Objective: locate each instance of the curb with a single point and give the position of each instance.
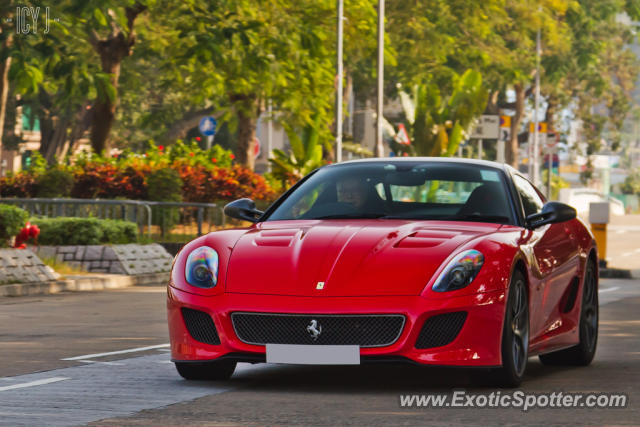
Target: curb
(93, 282)
(619, 273)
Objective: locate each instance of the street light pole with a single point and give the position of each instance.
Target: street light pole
(269, 133)
(536, 140)
(379, 148)
(340, 72)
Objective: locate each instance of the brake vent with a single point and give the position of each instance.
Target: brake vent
(441, 329)
(200, 326)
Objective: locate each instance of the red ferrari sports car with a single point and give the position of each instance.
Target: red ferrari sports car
(426, 260)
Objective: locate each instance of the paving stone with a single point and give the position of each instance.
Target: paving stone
(93, 253)
(116, 268)
(80, 253)
(109, 254)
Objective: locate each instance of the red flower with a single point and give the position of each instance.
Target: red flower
(197, 138)
(160, 147)
(232, 156)
(214, 160)
(191, 154)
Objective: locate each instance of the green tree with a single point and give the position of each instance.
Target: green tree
(439, 123)
(305, 155)
(243, 53)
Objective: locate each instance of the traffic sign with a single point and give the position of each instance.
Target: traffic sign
(208, 126)
(488, 127)
(402, 137)
(505, 122)
(542, 127)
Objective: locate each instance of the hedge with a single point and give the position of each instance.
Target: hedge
(12, 219)
(85, 231)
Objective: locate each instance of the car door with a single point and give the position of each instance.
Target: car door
(556, 261)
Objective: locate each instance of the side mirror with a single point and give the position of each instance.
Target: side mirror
(244, 209)
(551, 213)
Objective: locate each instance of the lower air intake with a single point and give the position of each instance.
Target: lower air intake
(200, 325)
(441, 329)
(318, 329)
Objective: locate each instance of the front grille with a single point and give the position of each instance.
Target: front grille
(362, 330)
(200, 325)
(441, 329)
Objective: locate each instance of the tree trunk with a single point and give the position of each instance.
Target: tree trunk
(516, 122)
(112, 50)
(4, 85)
(549, 116)
(492, 105)
(247, 111)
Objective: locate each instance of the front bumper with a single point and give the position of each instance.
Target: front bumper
(477, 344)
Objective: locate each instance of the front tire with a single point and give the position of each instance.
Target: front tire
(209, 371)
(515, 334)
(583, 353)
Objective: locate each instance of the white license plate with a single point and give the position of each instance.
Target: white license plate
(313, 354)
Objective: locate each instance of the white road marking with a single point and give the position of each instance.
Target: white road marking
(111, 353)
(615, 288)
(97, 391)
(33, 383)
(102, 363)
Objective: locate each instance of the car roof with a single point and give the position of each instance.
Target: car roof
(458, 160)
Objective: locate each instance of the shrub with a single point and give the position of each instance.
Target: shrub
(19, 185)
(165, 185)
(54, 183)
(107, 181)
(12, 219)
(206, 186)
(85, 231)
(631, 184)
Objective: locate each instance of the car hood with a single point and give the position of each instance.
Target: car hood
(344, 257)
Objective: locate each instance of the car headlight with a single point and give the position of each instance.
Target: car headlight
(460, 271)
(202, 267)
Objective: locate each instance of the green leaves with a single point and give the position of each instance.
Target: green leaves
(305, 156)
(441, 121)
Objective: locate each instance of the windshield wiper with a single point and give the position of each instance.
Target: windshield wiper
(480, 218)
(349, 216)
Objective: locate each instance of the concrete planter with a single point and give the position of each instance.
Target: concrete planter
(131, 259)
(23, 266)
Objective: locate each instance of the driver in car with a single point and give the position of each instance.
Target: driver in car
(352, 191)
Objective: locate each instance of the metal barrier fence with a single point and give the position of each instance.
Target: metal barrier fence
(139, 211)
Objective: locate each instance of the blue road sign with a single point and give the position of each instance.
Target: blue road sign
(208, 126)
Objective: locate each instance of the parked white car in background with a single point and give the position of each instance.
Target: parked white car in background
(580, 198)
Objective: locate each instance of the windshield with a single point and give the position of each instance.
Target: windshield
(400, 190)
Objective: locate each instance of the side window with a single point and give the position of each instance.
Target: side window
(531, 201)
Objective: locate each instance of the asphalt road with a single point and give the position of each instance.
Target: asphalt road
(120, 373)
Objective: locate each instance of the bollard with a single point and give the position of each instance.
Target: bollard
(599, 218)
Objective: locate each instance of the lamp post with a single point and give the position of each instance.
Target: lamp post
(535, 164)
(379, 148)
(339, 77)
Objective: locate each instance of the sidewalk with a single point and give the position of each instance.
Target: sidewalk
(88, 282)
(623, 243)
